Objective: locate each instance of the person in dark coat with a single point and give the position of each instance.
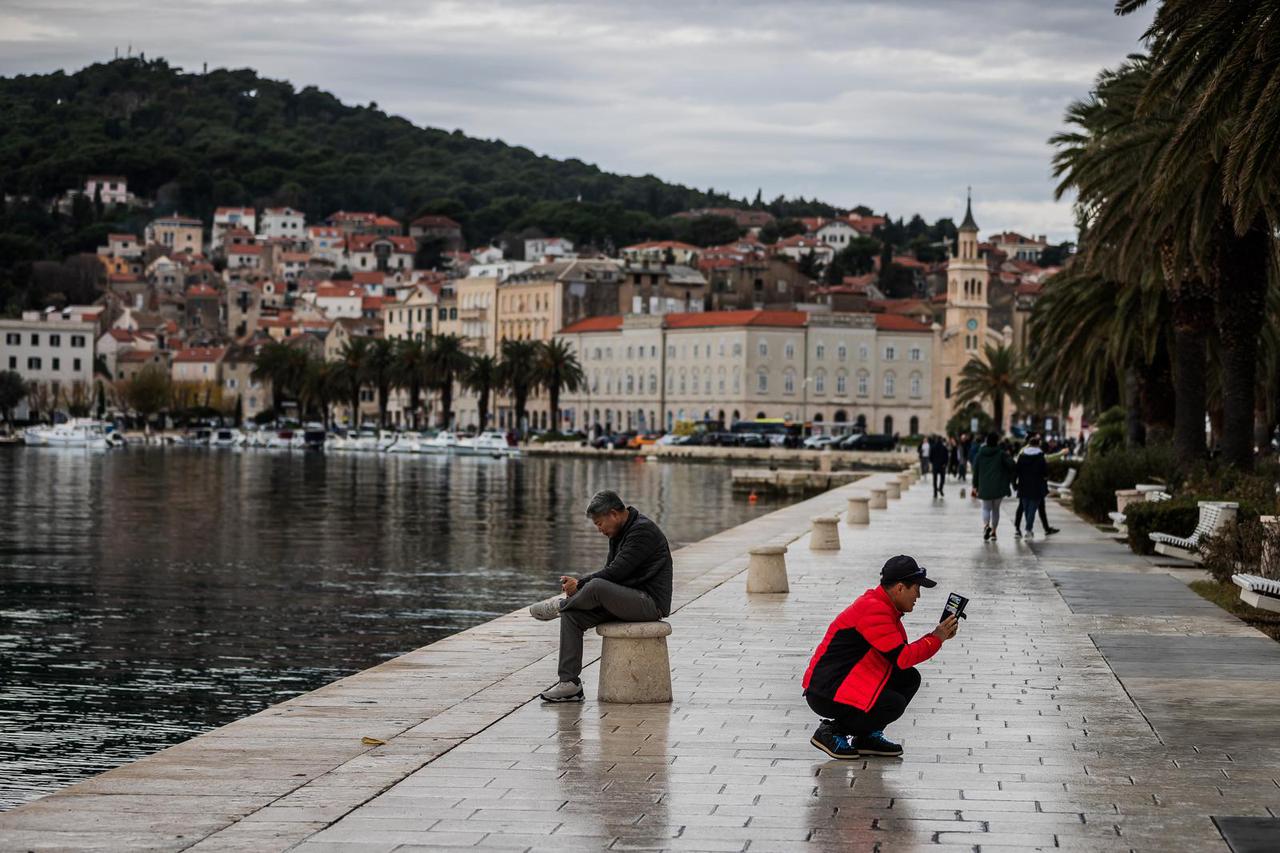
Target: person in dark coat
(939, 455)
(993, 472)
(1032, 473)
(634, 586)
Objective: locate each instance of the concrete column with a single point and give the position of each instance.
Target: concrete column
(824, 533)
(892, 489)
(879, 498)
(767, 571)
(634, 666)
(859, 510)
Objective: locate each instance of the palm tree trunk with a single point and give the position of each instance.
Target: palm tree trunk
(446, 401)
(482, 407)
(1243, 264)
(1192, 305)
(553, 390)
(1156, 393)
(1134, 434)
(384, 393)
(997, 409)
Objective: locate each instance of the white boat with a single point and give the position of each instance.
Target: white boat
(282, 439)
(489, 443)
(226, 437)
(77, 432)
(405, 442)
(442, 442)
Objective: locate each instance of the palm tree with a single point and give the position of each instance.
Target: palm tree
(413, 372)
(449, 362)
(13, 388)
(380, 372)
(996, 378)
(1129, 238)
(519, 374)
(321, 387)
(275, 363)
(350, 374)
(483, 377)
(558, 369)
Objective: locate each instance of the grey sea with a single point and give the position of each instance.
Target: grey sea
(149, 595)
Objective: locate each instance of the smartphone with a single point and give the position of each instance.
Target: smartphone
(955, 606)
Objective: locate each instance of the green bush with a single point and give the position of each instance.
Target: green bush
(1240, 548)
(1177, 517)
(1093, 494)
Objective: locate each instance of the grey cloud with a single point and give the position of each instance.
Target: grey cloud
(898, 105)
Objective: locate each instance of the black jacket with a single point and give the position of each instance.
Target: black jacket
(639, 557)
(939, 454)
(1032, 473)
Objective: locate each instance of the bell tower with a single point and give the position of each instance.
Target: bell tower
(964, 328)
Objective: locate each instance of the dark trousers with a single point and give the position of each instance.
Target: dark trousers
(1017, 516)
(939, 480)
(891, 705)
(595, 602)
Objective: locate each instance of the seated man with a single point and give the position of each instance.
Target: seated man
(634, 586)
(863, 674)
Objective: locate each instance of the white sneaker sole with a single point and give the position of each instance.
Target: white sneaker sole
(577, 697)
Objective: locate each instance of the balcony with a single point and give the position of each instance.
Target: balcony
(473, 313)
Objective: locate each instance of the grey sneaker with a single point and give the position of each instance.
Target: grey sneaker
(547, 610)
(564, 691)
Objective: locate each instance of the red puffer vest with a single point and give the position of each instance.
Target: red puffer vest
(861, 648)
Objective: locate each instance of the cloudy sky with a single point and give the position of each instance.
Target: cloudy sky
(896, 104)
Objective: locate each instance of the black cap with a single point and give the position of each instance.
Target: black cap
(906, 570)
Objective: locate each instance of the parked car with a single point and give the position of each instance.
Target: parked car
(644, 439)
(869, 441)
(752, 439)
(720, 439)
(818, 442)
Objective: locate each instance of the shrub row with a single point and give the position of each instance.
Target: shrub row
(1094, 492)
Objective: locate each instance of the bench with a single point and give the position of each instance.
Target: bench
(634, 666)
(1056, 489)
(1263, 593)
(1150, 494)
(1213, 516)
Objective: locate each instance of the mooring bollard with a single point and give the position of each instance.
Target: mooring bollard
(893, 490)
(859, 512)
(824, 533)
(879, 498)
(767, 571)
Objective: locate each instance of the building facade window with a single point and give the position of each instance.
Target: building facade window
(890, 353)
(820, 352)
(842, 384)
(915, 353)
(864, 352)
(915, 385)
(789, 382)
(863, 382)
(763, 348)
(820, 382)
(890, 382)
(789, 351)
(762, 381)
(842, 352)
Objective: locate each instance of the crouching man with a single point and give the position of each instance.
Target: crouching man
(634, 586)
(863, 676)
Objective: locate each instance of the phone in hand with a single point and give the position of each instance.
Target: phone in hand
(955, 607)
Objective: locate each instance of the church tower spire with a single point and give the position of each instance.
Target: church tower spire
(964, 330)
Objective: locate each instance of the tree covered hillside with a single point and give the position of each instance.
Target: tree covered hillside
(196, 141)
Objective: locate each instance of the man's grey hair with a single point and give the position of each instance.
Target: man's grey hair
(603, 502)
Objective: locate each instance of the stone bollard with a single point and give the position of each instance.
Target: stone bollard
(859, 510)
(904, 482)
(879, 499)
(892, 489)
(634, 666)
(825, 533)
(767, 571)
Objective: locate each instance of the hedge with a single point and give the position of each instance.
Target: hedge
(1178, 517)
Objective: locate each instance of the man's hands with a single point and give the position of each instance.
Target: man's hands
(570, 585)
(946, 628)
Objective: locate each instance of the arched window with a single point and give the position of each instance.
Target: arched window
(789, 350)
(915, 425)
(842, 383)
(864, 379)
(862, 422)
(841, 416)
(842, 352)
(890, 384)
(631, 382)
(916, 383)
(888, 424)
(761, 416)
(820, 351)
(789, 382)
(820, 382)
(653, 385)
(763, 349)
(762, 380)
(864, 352)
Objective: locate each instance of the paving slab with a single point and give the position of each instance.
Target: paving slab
(1090, 702)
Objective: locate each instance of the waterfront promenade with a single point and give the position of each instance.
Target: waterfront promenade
(1091, 702)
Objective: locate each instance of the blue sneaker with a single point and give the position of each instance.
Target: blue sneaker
(837, 746)
(877, 744)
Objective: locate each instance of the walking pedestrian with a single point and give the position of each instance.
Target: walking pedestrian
(1031, 472)
(923, 452)
(962, 456)
(863, 674)
(992, 475)
(634, 586)
(939, 454)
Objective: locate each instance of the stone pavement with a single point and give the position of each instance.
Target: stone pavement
(1090, 702)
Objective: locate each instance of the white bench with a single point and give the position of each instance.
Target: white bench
(1057, 489)
(1214, 515)
(1263, 593)
(1151, 494)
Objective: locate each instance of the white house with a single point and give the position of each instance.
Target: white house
(836, 233)
(283, 222)
(113, 188)
(366, 252)
(50, 347)
(539, 248)
(327, 243)
(244, 257)
(227, 218)
(338, 299)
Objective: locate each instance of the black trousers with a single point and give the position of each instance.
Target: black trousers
(891, 705)
(1044, 521)
(939, 480)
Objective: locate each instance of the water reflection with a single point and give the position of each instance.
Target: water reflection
(149, 595)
